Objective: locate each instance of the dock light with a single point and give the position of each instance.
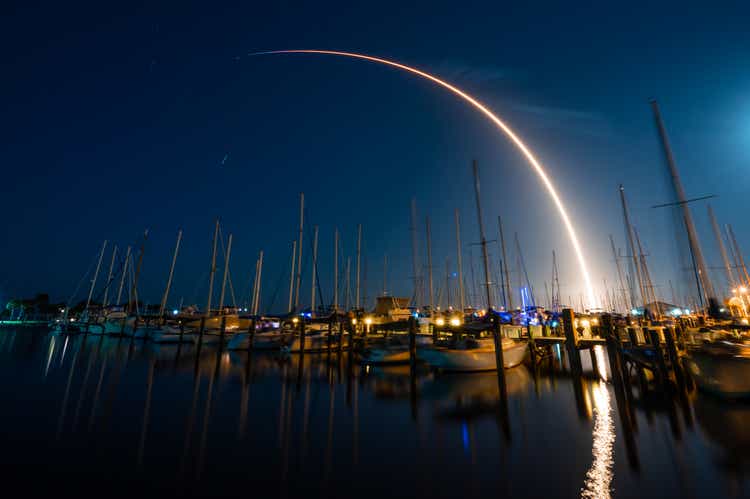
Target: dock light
(295, 320)
(440, 321)
(585, 323)
(743, 289)
(595, 322)
(744, 321)
(175, 312)
(455, 321)
(368, 320)
(354, 320)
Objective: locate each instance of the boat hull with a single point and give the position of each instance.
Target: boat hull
(474, 359)
(725, 376)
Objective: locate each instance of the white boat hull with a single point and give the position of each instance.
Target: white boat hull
(474, 359)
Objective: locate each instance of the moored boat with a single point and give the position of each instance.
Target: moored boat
(471, 354)
(721, 368)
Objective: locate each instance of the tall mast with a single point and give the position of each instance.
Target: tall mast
(124, 273)
(525, 273)
(429, 267)
(96, 274)
(212, 270)
(359, 257)
(483, 240)
(134, 290)
(226, 273)
(555, 284)
(695, 247)
(722, 249)
(314, 268)
(647, 283)
(171, 273)
(740, 259)
(336, 270)
(255, 287)
(348, 285)
(633, 252)
(109, 276)
(508, 294)
(385, 274)
(462, 297)
(619, 274)
(415, 262)
(447, 283)
(259, 273)
(473, 293)
(299, 247)
(291, 277)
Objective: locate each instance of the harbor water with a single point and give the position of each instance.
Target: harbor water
(94, 415)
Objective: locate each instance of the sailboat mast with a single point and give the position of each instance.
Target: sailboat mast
(722, 249)
(704, 279)
(314, 268)
(359, 257)
(124, 273)
(740, 259)
(633, 252)
(483, 240)
(291, 277)
(171, 274)
(336, 271)
(256, 303)
(385, 274)
(109, 276)
(212, 270)
(619, 273)
(462, 297)
(299, 247)
(429, 266)
(506, 284)
(415, 262)
(96, 274)
(226, 273)
(348, 283)
(134, 291)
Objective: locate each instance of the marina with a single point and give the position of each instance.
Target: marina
(348, 251)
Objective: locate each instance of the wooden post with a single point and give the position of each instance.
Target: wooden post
(499, 362)
(571, 341)
(412, 339)
(633, 336)
(660, 360)
(222, 331)
(201, 330)
(182, 331)
(302, 336)
(330, 332)
(674, 357)
(251, 334)
(341, 332)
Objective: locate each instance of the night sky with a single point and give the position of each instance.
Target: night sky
(118, 119)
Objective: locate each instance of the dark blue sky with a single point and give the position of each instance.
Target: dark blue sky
(117, 118)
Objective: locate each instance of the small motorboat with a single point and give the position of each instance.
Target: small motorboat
(470, 354)
(721, 368)
(394, 351)
(268, 340)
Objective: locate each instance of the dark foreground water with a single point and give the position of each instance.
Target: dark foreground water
(107, 417)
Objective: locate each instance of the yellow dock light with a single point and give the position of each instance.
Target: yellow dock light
(295, 320)
(368, 320)
(455, 321)
(440, 321)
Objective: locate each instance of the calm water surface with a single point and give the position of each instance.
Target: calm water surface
(113, 417)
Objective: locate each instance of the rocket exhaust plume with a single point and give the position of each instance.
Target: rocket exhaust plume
(533, 162)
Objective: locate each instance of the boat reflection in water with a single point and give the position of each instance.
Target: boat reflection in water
(168, 416)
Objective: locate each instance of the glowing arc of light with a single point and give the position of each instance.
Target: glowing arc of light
(497, 121)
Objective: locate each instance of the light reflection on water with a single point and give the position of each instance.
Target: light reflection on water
(214, 422)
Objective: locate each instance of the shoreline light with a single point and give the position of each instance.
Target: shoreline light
(489, 114)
